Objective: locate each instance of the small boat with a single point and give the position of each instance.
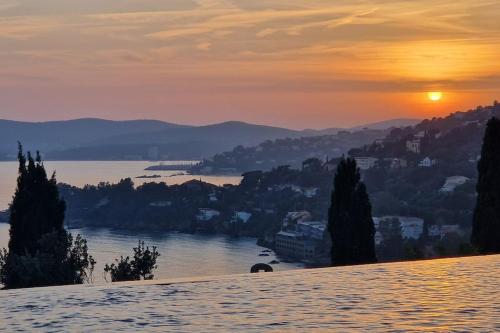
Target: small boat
(263, 255)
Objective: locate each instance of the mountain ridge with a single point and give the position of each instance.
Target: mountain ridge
(125, 139)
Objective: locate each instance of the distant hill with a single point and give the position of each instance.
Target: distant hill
(99, 139)
(238, 132)
(87, 139)
(58, 135)
(176, 142)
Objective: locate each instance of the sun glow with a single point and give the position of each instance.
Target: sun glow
(434, 95)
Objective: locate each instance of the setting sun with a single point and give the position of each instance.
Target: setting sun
(434, 95)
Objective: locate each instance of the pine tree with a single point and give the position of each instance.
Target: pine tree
(350, 221)
(486, 222)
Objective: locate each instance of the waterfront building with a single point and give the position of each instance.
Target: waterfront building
(311, 229)
(294, 245)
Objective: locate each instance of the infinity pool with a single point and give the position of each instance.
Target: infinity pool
(447, 295)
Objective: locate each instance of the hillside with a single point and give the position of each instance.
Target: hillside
(58, 135)
(433, 138)
(428, 170)
(269, 154)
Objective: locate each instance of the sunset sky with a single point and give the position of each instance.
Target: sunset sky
(288, 63)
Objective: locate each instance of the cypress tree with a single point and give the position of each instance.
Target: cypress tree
(486, 222)
(41, 252)
(36, 208)
(350, 220)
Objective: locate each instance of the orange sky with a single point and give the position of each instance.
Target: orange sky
(289, 63)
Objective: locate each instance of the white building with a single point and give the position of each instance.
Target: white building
(452, 182)
(241, 217)
(443, 230)
(293, 245)
(310, 192)
(212, 197)
(206, 214)
(365, 163)
(426, 162)
(411, 227)
(413, 146)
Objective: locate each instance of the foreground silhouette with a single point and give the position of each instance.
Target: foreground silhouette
(261, 267)
(41, 252)
(141, 266)
(486, 224)
(350, 220)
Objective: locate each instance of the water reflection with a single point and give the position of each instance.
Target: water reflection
(459, 295)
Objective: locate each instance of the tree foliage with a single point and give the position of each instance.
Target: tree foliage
(140, 267)
(486, 223)
(350, 220)
(41, 252)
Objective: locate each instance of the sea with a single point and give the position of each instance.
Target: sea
(182, 255)
(81, 173)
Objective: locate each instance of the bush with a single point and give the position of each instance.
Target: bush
(60, 260)
(142, 266)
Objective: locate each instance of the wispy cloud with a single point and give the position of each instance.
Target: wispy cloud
(236, 47)
(26, 27)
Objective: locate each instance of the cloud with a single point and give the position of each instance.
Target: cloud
(26, 27)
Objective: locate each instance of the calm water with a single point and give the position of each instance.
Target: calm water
(447, 295)
(182, 255)
(92, 172)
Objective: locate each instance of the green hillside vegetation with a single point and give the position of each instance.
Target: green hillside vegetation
(289, 151)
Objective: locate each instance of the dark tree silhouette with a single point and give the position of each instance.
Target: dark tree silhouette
(141, 266)
(486, 222)
(36, 208)
(350, 220)
(41, 252)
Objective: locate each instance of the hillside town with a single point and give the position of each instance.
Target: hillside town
(421, 193)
